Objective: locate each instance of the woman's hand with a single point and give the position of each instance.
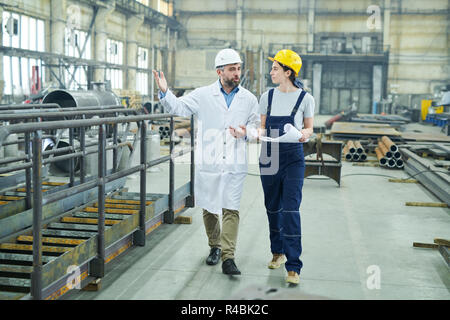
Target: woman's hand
(262, 132)
(306, 134)
(308, 130)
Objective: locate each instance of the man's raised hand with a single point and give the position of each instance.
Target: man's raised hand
(160, 81)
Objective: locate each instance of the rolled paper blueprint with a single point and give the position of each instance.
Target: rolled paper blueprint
(291, 134)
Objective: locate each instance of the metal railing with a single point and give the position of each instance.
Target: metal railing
(34, 132)
(46, 113)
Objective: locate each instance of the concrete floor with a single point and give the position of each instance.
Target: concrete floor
(357, 244)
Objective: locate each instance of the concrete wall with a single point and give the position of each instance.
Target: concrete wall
(417, 33)
(195, 68)
(419, 53)
(418, 38)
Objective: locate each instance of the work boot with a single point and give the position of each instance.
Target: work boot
(214, 256)
(229, 267)
(293, 277)
(277, 261)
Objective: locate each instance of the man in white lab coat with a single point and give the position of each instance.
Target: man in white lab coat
(226, 113)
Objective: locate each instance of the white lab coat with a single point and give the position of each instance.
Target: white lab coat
(220, 159)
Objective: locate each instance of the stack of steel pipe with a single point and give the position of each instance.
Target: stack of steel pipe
(181, 131)
(388, 153)
(353, 151)
(164, 132)
(360, 150)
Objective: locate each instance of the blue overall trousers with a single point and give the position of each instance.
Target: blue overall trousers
(282, 167)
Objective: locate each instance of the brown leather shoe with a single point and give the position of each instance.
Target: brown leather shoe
(293, 277)
(277, 261)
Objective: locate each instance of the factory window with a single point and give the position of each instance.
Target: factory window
(23, 32)
(144, 2)
(22, 75)
(142, 83)
(114, 51)
(114, 55)
(142, 58)
(142, 76)
(115, 76)
(165, 7)
(75, 42)
(75, 78)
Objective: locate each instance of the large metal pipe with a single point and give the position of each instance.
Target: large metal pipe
(185, 133)
(75, 99)
(351, 146)
(358, 146)
(348, 156)
(389, 144)
(384, 150)
(381, 159)
(399, 163)
(391, 163)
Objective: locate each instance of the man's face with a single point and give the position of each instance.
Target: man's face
(231, 75)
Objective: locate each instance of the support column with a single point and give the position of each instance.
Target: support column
(133, 25)
(377, 83)
(387, 23)
(101, 35)
(239, 24)
(152, 67)
(164, 41)
(58, 27)
(57, 35)
(311, 17)
(317, 83)
(173, 52)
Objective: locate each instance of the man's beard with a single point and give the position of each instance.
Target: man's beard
(231, 83)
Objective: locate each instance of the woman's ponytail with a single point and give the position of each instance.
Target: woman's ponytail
(296, 82)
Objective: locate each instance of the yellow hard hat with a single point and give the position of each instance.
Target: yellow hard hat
(290, 59)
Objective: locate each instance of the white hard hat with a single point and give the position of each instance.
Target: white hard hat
(227, 56)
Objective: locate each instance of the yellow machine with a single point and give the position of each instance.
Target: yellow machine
(425, 108)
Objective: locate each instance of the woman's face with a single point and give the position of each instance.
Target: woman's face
(277, 73)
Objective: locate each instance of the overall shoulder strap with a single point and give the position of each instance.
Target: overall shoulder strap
(269, 107)
(299, 101)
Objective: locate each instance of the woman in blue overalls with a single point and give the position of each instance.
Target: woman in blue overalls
(282, 165)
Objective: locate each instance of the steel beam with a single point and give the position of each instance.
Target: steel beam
(444, 251)
(428, 175)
